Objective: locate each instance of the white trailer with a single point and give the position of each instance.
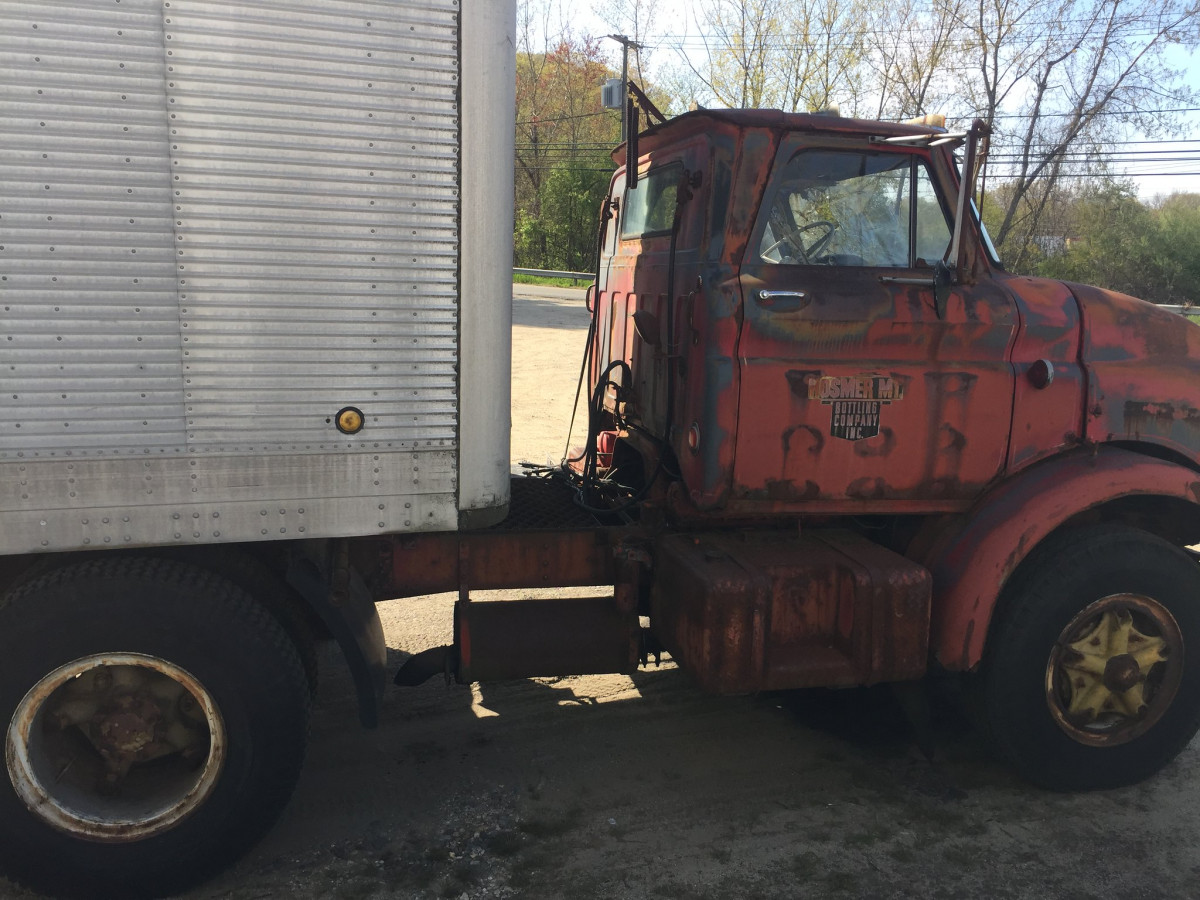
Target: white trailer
(226, 223)
(255, 287)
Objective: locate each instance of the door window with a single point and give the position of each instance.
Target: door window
(650, 207)
(854, 208)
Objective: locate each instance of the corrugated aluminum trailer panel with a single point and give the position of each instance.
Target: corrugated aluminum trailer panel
(222, 223)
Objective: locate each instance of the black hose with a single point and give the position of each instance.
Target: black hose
(606, 213)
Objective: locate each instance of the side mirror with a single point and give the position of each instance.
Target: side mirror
(943, 278)
(589, 298)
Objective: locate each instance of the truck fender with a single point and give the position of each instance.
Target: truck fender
(973, 559)
(338, 596)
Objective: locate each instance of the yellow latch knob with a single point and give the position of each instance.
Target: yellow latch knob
(349, 420)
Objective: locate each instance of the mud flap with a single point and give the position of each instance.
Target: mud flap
(337, 594)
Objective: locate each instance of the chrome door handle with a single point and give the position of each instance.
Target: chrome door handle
(783, 301)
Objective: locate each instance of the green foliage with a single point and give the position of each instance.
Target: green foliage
(1109, 238)
(571, 199)
(563, 236)
(1111, 243)
(549, 282)
(563, 142)
(1178, 247)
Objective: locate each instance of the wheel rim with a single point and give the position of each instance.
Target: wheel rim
(1115, 669)
(115, 747)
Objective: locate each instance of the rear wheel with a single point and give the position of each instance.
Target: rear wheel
(154, 719)
(1091, 678)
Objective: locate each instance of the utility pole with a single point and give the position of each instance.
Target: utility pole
(626, 43)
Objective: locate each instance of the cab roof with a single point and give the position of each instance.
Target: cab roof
(702, 120)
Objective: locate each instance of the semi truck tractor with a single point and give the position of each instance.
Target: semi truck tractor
(255, 265)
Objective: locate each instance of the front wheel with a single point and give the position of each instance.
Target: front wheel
(1091, 677)
(154, 719)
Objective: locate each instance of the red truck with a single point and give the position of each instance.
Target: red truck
(830, 442)
(855, 448)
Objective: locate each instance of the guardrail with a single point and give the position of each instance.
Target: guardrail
(1182, 310)
(546, 273)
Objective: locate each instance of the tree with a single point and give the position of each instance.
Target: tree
(1111, 241)
(1177, 248)
(737, 39)
(913, 51)
(635, 19)
(826, 70)
(1108, 237)
(561, 128)
(1058, 78)
(797, 55)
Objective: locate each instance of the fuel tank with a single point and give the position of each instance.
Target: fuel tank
(757, 611)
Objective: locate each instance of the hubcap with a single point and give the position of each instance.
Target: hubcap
(115, 747)
(1115, 669)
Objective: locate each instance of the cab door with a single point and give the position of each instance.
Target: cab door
(856, 391)
(636, 274)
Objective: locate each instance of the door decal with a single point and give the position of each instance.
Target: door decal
(855, 401)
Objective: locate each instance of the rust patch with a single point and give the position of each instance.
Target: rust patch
(1157, 418)
(801, 381)
(814, 444)
(953, 440)
(948, 486)
(1014, 559)
(1164, 338)
(965, 663)
(786, 490)
(951, 384)
(868, 488)
(872, 447)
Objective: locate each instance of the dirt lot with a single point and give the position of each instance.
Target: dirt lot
(616, 787)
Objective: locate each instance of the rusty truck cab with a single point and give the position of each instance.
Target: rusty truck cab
(767, 303)
(831, 441)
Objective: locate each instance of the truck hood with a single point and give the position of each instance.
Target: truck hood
(1143, 371)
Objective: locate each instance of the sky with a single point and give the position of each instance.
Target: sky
(1155, 167)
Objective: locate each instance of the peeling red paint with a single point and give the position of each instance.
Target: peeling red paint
(999, 399)
(1143, 368)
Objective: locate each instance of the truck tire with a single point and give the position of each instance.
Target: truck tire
(155, 719)
(266, 587)
(1091, 676)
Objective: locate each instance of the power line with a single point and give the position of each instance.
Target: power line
(1101, 112)
(590, 115)
(1129, 27)
(1122, 174)
(1127, 155)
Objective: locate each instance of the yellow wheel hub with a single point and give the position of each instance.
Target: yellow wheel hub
(1115, 669)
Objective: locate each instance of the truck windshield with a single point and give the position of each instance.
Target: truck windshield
(855, 208)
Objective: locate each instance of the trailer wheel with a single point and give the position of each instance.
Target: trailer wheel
(1091, 677)
(154, 720)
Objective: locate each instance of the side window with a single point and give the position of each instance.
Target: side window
(650, 206)
(854, 208)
